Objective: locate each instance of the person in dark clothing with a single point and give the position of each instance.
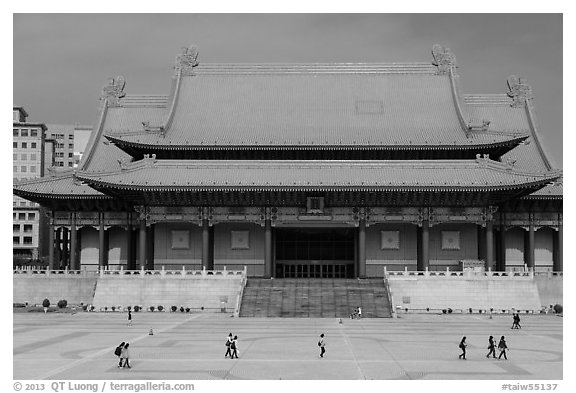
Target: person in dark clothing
(118, 352)
(518, 321)
(234, 347)
(322, 345)
(126, 356)
(491, 347)
(228, 344)
(463, 346)
(129, 317)
(502, 347)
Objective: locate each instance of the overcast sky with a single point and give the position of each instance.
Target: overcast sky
(61, 61)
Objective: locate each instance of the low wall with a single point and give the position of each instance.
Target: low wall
(464, 290)
(550, 289)
(35, 287)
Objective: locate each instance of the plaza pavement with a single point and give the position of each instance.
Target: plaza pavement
(191, 347)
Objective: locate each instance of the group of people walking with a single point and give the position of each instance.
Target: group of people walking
(502, 347)
(231, 347)
(123, 353)
(516, 321)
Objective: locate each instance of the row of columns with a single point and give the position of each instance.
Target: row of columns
(486, 246)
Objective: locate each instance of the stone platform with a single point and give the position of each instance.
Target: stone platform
(191, 347)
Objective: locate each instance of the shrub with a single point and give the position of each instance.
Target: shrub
(62, 303)
(106, 308)
(558, 308)
(470, 310)
(45, 303)
(181, 309)
(129, 308)
(160, 308)
(136, 308)
(92, 308)
(173, 308)
(152, 308)
(444, 311)
(449, 311)
(187, 309)
(113, 308)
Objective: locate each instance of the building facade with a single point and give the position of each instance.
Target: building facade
(309, 170)
(32, 154)
(69, 143)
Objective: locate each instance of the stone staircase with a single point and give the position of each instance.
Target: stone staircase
(314, 298)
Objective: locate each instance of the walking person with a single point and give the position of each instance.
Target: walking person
(129, 317)
(322, 345)
(491, 347)
(502, 347)
(359, 312)
(462, 346)
(126, 356)
(228, 344)
(518, 321)
(514, 321)
(118, 352)
(234, 346)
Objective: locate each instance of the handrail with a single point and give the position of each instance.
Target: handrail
(182, 273)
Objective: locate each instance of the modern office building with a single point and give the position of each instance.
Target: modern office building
(310, 170)
(32, 154)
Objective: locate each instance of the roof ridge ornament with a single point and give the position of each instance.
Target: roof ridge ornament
(112, 92)
(444, 59)
(187, 60)
(520, 91)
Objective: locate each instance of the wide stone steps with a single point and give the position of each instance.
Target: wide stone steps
(314, 298)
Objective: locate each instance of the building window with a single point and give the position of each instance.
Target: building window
(23, 168)
(34, 133)
(27, 239)
(70, 155)
(15, 145)
(13, 216)
(71, 137)
(24, 133)
(22, 216)
(33, 145)
(15, 169)
(70, 164)
(14, 157)
(31, 216)
(24, 145)
(27, 228)
(22, 203)
(15, 132)
(16, 239)
(70, 146)
(23, 157)
(32, 168)
(32, 157)
(15, 228)
(315, 205)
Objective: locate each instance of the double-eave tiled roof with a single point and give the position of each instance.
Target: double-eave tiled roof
(437, 175)
(60, 186)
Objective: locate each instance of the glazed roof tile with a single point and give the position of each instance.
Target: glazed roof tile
(439, 174)
(317, 105)
(62, 185)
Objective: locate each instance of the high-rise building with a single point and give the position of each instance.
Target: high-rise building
(32, 154)
(69, 143)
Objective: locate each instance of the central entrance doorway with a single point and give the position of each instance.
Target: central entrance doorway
(315, 252)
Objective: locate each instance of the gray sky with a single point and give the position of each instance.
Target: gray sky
(61, 61)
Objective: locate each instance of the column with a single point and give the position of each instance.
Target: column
(74, 263)
(489, 244)
(51, 246)
(481, 242)
(58, 251)
(142, 243)
(557, 238)
(267, 248)
(529, 245)
(362, 249)
(150, 247)
(102, 251)
(423, 246)
(130, 250)
(205, 244)
(502, 252)
(64, 247)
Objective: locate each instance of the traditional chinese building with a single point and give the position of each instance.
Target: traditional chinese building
(309, 170)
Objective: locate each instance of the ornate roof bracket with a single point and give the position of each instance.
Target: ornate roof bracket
(187, 60)
(444, 59)
(520, 91)
(113, 91)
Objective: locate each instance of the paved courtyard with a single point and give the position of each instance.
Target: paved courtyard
(191, 347)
